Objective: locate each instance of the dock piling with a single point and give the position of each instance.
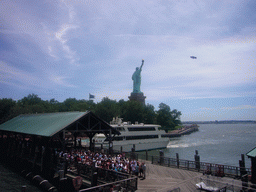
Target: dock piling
(178, 160)
(197, 160)
(161, 157)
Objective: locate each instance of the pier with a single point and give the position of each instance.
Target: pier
(162, 179)
(174, 175)
(162, 175)
(159, 178)
(43, 158)
(182, 131)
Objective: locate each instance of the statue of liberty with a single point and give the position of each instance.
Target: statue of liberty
(136, 77)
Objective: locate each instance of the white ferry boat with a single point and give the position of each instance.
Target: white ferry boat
(141, 136)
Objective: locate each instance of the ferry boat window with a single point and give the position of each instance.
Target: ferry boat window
(141, 128)
(115, 139)
(118, 139)
(141, 137)
(120, 129)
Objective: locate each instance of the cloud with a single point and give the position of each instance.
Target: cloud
(207, 109)
(61, 36)
(13, 76)
(45, 28)
(241, 107)
(60, 80)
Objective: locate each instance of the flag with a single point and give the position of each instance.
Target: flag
(91, 96)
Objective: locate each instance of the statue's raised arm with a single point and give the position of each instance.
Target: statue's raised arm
(142, 64)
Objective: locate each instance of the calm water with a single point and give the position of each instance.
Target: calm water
(216, 143)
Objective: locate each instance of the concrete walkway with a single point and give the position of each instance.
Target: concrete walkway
(164, 179)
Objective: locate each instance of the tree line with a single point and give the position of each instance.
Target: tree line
(106, 109)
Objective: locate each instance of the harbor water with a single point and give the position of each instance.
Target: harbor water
(216, 143)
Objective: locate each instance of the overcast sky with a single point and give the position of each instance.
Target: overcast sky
(68, 49)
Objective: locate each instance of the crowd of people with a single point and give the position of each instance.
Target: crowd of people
(100, 160)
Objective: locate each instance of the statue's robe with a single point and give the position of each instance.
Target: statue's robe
(136, 77)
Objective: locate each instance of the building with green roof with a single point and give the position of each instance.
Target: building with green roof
(35, 138)
(252, 155)
(57, 126)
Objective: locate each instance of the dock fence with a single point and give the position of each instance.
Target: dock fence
(106, 179)
(204, 167)
(129, 184)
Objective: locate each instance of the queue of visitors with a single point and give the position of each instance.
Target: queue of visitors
(100, 160)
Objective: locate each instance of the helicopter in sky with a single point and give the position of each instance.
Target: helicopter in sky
(193, 57)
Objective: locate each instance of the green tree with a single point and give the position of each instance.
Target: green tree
(163, 115)
(107, 109)
(31, 99)
(149, 114)
(166, 118)
(52, 106)
(30, 104)
(84, 105)
(69, 104)
(176, 117)
(133, 111)
(6, 107)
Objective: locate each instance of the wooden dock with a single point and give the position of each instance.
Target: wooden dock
(164, 179)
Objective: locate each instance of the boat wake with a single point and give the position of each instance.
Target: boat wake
(178, 144)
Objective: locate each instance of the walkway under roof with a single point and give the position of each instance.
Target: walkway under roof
(50, 124)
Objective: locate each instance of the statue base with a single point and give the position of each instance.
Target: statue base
(137, 97)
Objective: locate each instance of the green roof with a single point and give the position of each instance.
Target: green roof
(46, 124)
(252, 153)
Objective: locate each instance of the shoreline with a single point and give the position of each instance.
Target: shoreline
(182, 131)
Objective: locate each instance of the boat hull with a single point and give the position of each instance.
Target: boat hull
(140, 145)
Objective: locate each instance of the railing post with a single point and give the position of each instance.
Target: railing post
(94, 179)
(78, 168)
(133, 154)
(197, 161)
(136, 183)
(146, 154)
(161, 157)
(178, 160)
(188, 165)
(169, 162)
(152, 159)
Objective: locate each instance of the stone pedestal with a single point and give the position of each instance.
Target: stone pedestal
(137, 97)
